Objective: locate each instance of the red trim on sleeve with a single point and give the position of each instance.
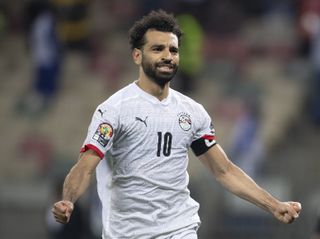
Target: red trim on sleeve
(209, 137)
(94, 148)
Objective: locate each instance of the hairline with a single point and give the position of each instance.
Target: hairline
(144, 40)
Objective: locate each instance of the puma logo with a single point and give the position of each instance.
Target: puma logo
(100, 111)
(143, 121)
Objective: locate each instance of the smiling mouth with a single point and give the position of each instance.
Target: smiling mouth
(166, 67)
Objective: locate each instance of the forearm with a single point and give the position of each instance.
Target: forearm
(239, 183)
(76, 183)
(235, 180)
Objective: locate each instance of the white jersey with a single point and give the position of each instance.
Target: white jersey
(142, 179)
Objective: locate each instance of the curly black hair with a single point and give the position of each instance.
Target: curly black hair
(158, 20)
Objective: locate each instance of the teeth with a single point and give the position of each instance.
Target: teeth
(165, 68)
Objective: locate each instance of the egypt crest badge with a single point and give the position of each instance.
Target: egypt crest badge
(103, 134)
(185, 121)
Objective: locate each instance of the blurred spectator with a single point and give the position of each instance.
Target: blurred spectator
(310, 34)
(46, 56)
(189, 14)
(73, 23)
(315, 87)
(247, 148)
(191, 57)
(308, 11)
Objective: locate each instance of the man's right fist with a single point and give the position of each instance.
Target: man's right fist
(62, 211)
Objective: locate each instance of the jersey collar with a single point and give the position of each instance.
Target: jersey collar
(152, 98)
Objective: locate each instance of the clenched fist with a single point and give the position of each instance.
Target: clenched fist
(287, 212)
(62, 211)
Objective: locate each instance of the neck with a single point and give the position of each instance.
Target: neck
(160, 92)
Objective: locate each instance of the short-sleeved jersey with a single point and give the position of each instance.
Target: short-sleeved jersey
(142, 179)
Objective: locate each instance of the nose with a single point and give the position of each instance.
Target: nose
(167, 55)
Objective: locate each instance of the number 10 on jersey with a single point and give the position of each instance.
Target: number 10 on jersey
(165, 147)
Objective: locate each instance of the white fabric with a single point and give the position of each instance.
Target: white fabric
(142, 183)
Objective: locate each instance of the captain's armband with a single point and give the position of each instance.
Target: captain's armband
(203, 144)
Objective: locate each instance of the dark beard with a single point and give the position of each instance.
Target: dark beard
(160, 78)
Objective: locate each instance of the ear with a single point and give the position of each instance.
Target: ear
(137, 56)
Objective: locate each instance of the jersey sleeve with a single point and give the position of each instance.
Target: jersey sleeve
(204, 137)
(101, 130)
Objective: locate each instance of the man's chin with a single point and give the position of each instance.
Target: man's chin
(162, 80)
(166, 75)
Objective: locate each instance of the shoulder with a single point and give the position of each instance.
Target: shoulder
(117, 99)
(110, 109)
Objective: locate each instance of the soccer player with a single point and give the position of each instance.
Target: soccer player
(138, 142)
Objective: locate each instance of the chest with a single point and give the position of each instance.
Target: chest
(158, 129)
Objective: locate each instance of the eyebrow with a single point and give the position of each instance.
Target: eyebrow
(174, 48)
(163, 45)
(157, 45)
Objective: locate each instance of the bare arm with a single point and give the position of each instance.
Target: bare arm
(239, 183)
(75, 184)
(79, 177)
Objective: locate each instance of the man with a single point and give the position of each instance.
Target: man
(138, 142)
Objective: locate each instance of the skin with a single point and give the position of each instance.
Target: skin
(160, 48)
(160, 55)
(240, 184)
(75, 184)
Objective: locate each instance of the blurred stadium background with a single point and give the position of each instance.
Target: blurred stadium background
(253, 64)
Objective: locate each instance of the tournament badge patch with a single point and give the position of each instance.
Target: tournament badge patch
(185, 121)
(103, 134)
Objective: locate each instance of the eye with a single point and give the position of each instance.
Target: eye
(174, 50)
(157, 48)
